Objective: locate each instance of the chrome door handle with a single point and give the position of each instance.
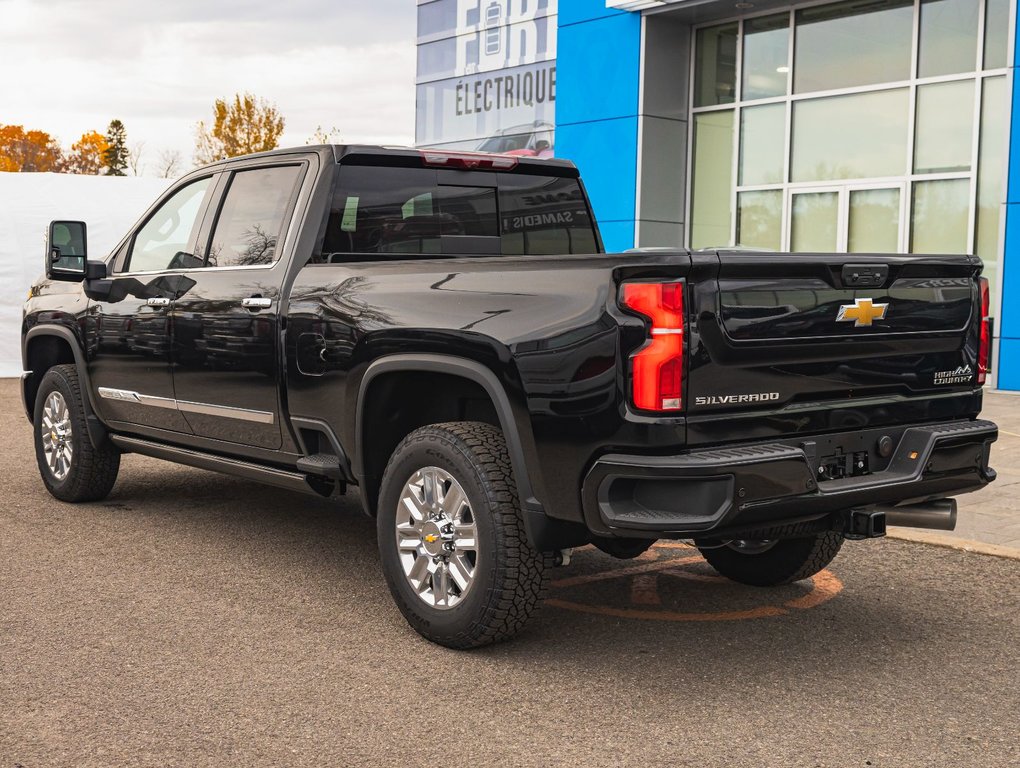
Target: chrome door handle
(256, 302)
(158, 301)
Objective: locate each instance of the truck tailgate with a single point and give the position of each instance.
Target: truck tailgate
(787, 344)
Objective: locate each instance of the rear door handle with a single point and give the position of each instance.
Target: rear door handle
(158, 301)
(256, 302)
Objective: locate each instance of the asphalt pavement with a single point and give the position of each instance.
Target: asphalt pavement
(197, 620)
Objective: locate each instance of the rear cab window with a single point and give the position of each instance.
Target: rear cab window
(405, 212)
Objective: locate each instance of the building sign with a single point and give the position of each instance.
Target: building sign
(487, 75)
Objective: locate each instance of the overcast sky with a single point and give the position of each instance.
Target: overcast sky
(69, 66)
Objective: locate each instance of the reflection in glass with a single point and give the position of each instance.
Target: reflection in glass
(762, 138)
(715, 75)
(712, 179)
(945, 127)
(852, 43)
(990, 169)
(765, 60)
(759, 219)
(813, 222)
(874, 221)
(939, 218)
(948, 41)
(996, 33)
(252, 215)
(164, 239)
(850, 137)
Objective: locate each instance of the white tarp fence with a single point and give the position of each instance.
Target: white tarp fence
(109, 205)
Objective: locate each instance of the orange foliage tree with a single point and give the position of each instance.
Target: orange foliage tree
(245, 125)
(88, 154)
(22, 150)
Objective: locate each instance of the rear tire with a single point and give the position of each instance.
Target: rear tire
(72, 468)
(769, 564)
(451, 537)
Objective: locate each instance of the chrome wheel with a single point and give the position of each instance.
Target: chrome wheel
(437, 539)
(58, 446)
(751, 546)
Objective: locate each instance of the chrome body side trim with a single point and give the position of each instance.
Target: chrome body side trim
(226, 411)
(186, 406)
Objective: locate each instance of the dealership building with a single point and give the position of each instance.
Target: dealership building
(861, 125)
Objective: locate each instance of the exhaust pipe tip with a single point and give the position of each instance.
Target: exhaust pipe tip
(939, 515)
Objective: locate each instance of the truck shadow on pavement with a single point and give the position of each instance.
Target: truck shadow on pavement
(668, 601)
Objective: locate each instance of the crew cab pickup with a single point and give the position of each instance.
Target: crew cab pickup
(444, 332)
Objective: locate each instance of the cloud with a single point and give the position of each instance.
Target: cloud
(72, 66)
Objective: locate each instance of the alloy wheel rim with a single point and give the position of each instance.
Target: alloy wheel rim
(58, 446)
(437, 537)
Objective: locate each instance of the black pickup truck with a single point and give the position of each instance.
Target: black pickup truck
(444, 331)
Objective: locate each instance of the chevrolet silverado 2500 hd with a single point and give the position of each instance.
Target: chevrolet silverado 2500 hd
(443, 331)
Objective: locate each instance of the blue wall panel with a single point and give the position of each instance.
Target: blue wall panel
(1009, 321)
(597, 90)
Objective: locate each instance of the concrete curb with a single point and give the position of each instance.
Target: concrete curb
(952, 542)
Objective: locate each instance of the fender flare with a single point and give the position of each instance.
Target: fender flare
(97, 430)
(467, 369)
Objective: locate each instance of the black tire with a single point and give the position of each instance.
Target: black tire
(510, 576)
(786, 561)
(92, 471)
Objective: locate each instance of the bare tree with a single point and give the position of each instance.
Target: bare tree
(169, 165)
(321, 136)
(135, 158)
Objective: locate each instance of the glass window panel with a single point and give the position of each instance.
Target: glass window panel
(765, 62)
(996, 33)
(813, 222)
(939, 216)
(712, 180)
(852, 43)
(759, 219)
(251, 218)
(991, 161)
(945, 127)
(874, 221)
(762, 139)
(850, 137)
(948, 37)
(162, 241)
(715, 76)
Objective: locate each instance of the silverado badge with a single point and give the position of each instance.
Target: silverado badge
(861, 312)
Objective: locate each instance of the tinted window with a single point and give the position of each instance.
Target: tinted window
(250, 221)
(544, 215)
(162, 242)
(409, 211)
(405, 211)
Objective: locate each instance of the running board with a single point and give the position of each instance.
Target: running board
(281, 478)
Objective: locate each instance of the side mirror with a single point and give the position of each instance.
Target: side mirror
(66, 251)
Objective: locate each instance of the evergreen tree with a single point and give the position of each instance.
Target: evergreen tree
(115, 158)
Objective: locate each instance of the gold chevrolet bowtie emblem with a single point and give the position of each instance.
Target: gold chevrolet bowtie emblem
(861, 312)
(430, 537)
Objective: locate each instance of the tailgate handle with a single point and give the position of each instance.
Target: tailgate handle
(865, 275)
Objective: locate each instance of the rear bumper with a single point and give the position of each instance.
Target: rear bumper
(709, 493)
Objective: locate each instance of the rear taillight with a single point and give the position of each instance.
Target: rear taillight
(985, 350)
(657, 369)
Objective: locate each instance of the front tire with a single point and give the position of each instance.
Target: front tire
(72, 468)
(771, 563)
(451, 537)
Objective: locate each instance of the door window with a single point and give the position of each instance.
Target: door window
(251, 218)
(163, 241)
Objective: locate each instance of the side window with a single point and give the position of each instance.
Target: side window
(162, 242)
(251, 218)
